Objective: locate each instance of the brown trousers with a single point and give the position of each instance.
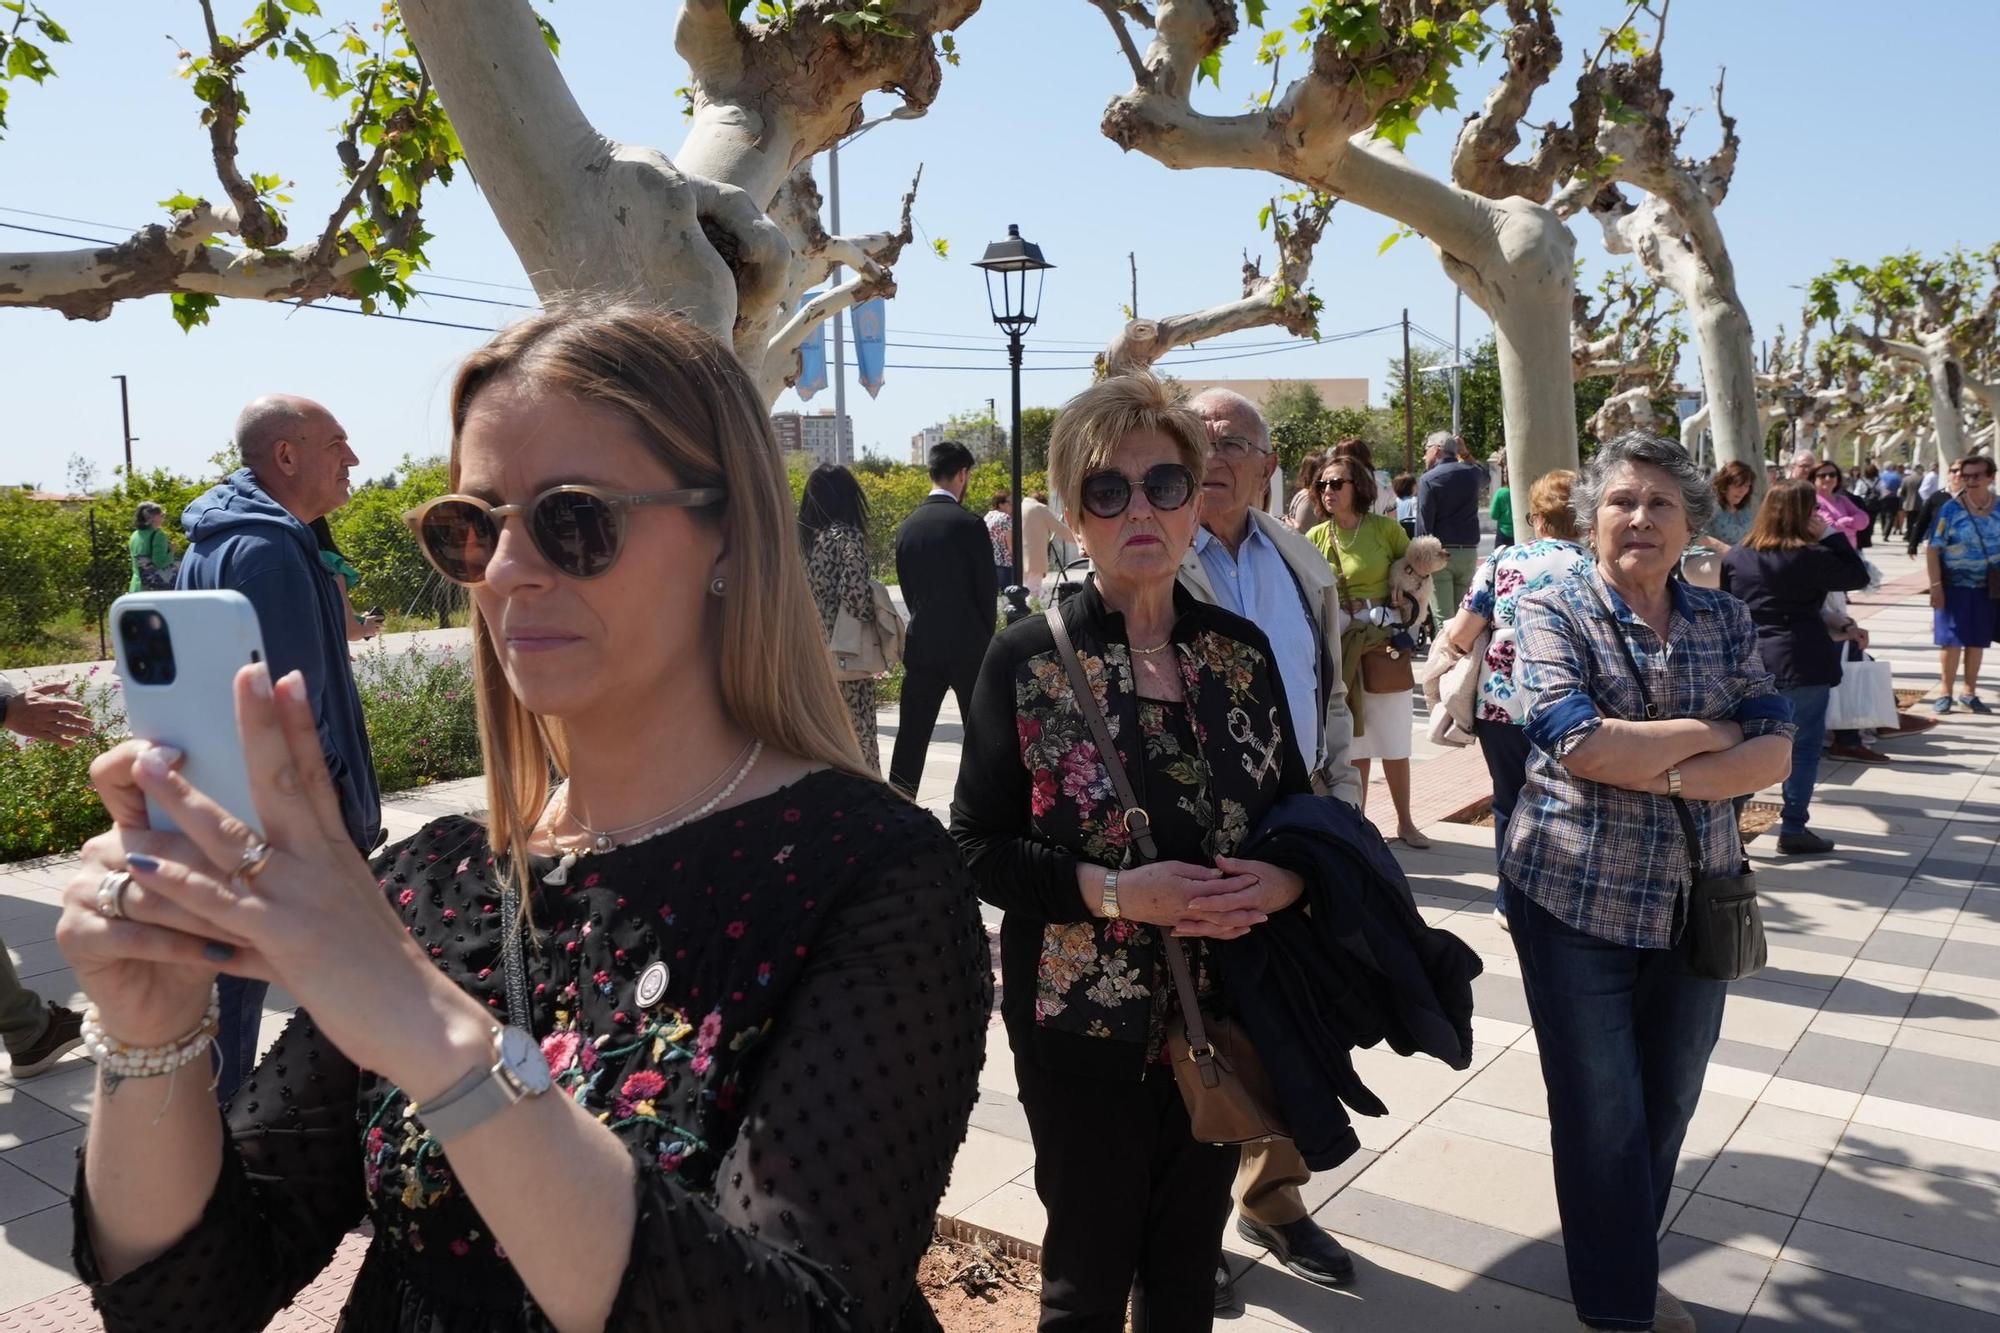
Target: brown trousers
(1268, 1183)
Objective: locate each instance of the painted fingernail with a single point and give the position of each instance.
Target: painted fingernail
(215, 951)
(144, 864)
(153, 762)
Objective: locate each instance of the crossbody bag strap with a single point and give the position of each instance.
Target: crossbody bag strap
(1653, 715)
(1137, 823)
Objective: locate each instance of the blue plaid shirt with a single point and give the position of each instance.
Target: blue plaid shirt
(1610, 862)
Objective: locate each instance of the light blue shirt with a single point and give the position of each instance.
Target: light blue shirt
(1256, 584)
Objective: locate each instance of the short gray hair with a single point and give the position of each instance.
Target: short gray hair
(1228, 400)
(1638, 447)
(264, 422)
(1445, 443)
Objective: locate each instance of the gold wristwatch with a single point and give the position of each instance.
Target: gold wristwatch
(1673, 782)
(1110, 903)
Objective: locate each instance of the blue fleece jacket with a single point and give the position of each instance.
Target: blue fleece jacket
(243, 540)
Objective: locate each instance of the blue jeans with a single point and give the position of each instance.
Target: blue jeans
(1625, 1035)
(242, 1011)
(1809, 711)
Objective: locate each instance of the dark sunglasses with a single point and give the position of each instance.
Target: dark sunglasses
(579, 530)
(1336, 484)
(1825, 476)
(1109, 494)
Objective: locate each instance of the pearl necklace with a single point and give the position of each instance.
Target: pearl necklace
(605, 841)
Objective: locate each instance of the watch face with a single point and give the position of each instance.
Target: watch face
(523, 1059)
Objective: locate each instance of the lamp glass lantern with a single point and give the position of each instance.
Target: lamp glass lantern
(1011, 266)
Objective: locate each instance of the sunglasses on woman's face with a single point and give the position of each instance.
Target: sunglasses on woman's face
(579, 530)
(1334, 484)
(1826, 476)
(1109, 494)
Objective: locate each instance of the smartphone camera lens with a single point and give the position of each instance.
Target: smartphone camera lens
(149, 649)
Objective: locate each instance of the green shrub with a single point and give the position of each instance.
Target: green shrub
(422, 719)
(895, 489)
(47, 804)
(370, 532)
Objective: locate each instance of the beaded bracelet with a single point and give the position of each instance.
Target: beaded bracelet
(118, 1061)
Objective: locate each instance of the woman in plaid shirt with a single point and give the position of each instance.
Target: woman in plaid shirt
(1596, 867)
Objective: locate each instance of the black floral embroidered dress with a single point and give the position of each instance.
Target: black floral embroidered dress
(1033, 800)
(793, 1103)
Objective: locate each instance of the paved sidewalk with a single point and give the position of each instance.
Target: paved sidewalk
(1843, 1172)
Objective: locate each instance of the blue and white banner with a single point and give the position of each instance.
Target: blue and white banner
(812, 358)
(871, 323)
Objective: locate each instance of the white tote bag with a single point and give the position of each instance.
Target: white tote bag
(1865, 699)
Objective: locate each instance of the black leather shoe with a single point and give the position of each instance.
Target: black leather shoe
(1225, 1287)
(1304, 1248)
(1803, 844)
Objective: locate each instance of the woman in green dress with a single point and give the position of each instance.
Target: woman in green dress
(1361, 545)
(152, 553)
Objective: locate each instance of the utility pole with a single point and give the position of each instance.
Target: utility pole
(1409, 401)
(992, 430)
(1132, 258)
(1457, 359)
(125, 407)
(839, 317)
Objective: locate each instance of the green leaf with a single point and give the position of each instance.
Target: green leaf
(302, 6)
(1391, 239)
(549, 35)
(191, 309)
(1254, 11)
(1211, 68)
(323, 73)
(941, 248)
(180, 203)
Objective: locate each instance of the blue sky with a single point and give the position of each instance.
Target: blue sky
(1855, 145)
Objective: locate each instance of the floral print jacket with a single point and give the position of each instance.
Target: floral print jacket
(1034, 799)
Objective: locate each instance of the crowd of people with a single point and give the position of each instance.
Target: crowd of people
(754, 973)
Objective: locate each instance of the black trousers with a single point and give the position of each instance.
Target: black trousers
(1136, 1207)
(916, 717)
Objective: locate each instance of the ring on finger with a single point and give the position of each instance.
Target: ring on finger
(255, 857)
(111, 894)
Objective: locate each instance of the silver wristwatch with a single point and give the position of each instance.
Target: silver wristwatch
(518, 1071)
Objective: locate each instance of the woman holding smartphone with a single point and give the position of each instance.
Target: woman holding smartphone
(685, 1039)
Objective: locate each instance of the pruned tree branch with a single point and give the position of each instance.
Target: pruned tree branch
(1281, 299)
(1481, 158)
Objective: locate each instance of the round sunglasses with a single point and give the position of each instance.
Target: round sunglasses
(1109, 494)
(579, 530)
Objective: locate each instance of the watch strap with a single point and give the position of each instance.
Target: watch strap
(483, 1093)
(1109, 901)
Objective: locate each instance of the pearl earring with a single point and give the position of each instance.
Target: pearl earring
(716, 586)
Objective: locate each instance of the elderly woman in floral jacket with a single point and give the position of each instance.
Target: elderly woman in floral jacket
(1191, 695)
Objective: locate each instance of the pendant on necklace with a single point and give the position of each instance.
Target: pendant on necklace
(560, 875)
(602, 843)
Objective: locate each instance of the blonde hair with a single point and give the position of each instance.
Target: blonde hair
(1091, 426)
(693, 405)
(1548, 500)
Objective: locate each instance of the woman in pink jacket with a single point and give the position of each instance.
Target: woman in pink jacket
(1836, 506)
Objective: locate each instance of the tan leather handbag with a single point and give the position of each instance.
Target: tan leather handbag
(1386, 671)
(1221, 1079)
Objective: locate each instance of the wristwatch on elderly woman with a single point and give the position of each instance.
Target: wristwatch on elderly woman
(1109, 903)
(518, 1071)
(1673, 782)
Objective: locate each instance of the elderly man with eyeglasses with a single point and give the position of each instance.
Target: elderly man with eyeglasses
(1248, 561)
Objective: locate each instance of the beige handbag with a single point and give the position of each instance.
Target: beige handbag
(863, 650)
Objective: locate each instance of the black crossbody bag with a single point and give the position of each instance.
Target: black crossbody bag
(1724, 933)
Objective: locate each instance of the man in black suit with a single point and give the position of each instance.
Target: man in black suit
(945, 562)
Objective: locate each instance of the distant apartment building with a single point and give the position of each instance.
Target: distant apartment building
(815, 435)
(922, 442)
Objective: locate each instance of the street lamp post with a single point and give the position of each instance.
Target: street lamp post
(1009, 264)
(125, 409)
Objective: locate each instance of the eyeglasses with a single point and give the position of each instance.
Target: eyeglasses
(1109, 494)
(579, 530)
(1826, 476)
(1335, 484)
(1235, 448)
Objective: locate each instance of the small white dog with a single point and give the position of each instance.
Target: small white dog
(1410, 578)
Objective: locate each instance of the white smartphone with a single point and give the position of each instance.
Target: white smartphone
(178, 654)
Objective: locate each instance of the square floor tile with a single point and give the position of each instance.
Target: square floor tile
(1734, 1224)
(51, 1160)
(1513, 1080)
(1832, 1062)
(1907, 1267)
(24, 1119)
(1511, 1189)
(1796, 1298)
(1890, 945)
(1765, 1172)
(1901, 1203)
(34, 1255)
